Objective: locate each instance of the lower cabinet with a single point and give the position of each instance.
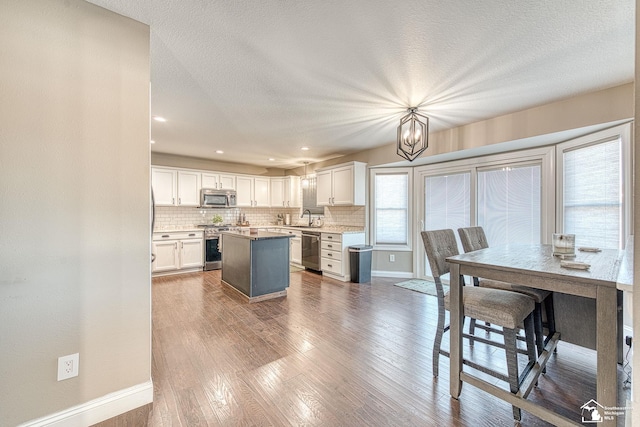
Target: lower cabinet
(177, 252)
(334, 254)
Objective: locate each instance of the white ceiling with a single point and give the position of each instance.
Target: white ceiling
(260, 79)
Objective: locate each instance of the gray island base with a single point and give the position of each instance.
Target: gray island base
(256, 265)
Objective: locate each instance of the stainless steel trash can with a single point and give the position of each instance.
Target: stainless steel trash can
(360, 263)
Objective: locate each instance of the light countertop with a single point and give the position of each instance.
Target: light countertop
(260, 235)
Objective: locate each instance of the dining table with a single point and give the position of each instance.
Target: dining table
(591, 274)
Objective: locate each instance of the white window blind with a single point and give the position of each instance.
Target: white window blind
(592, 194)
(391, 209)
(447, 202)
(508, 205)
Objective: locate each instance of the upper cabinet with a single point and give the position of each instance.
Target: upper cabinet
(218, 181)
(173, 187)
(181, 187)
(188, 188)
(252, 191)
(164, 184)
(342, 185)
(285, 192)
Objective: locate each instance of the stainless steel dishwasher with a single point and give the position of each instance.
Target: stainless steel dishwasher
(311, 250)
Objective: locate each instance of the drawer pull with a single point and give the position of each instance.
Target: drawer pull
(329, 265)
(164, 236)
(192, 235)
(330, 254)
(329, 246)
(329, 237)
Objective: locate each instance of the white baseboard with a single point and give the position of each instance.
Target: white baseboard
(398, 274)
(100, 409)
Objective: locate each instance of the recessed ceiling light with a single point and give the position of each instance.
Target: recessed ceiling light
(305, 148)
(159, 119)
(152, 141)
(219, 151)
(271, 159)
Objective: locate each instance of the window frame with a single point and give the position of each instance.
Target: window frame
(545, 156)
(622, 132)
(408, 247)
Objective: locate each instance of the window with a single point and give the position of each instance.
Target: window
(592, 188)
(509, 204)
(309, 191)
(503, 193)
(390, 208)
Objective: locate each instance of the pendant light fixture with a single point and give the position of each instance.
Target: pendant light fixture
(413, 134)
(305, 180)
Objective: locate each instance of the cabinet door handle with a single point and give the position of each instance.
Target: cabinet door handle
(179, 201)
(283, 203)
(173, 200)
(176, 245)
(181, 245)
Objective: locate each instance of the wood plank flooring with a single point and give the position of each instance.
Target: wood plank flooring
(328, 354)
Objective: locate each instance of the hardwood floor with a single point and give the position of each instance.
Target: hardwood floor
(328, 354)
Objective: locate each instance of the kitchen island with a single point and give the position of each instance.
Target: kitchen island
(256, 264)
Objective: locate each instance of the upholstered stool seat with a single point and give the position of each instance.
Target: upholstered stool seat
(504, 308)
(538, 295)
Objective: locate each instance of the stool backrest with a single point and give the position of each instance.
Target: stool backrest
(439, 245)
(473, 238)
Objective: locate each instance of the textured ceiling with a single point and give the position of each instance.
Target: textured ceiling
(260, 79)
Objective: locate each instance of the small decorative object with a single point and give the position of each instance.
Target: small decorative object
(217, 219)
(576, 265)
(253, 230)
(413, 134)
(564, 245)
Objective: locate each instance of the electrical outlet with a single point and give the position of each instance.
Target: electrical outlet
(628, 340)
(68, 366)
(392, 258)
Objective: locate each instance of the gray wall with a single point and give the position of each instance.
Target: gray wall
(74, 216)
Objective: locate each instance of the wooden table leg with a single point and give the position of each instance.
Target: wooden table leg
(606, 345)
(456, 319)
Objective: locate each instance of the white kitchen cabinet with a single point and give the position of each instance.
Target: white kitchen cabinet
(188, 188)
(166, 256)
(177, 252)
(296, 250)
(252, 191)
(173, 187)
(334, 254)
(285, 192)
(164, 184)
(342, 185)
(218, 181)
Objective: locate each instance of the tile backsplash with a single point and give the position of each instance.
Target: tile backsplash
(172, 216)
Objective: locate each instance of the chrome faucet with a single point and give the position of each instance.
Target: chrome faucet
(302, 216)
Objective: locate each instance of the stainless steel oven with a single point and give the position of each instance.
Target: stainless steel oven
(213, 246)
(311, 250)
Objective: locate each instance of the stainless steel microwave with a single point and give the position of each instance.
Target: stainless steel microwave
(211, 198)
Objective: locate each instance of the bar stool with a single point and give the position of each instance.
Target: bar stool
(473, 239)
(507, 309)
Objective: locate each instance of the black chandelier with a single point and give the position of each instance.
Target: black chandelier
(413, 134)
